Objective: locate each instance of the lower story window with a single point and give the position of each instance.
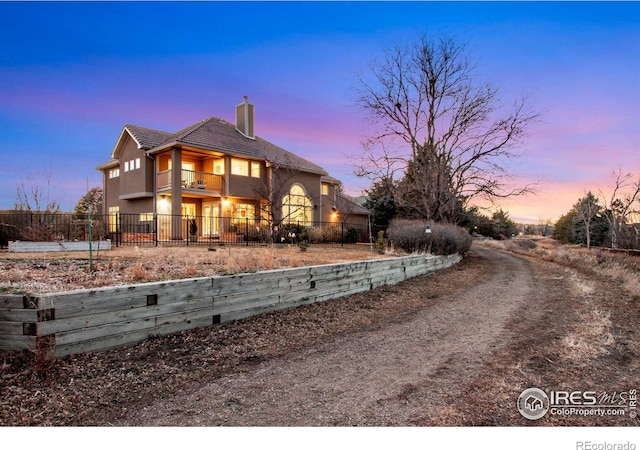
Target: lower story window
(243, 211)
(296, 206)
(114, 212)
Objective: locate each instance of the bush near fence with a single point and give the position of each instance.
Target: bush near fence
(49, 227)
(145, 229)
(440, 239)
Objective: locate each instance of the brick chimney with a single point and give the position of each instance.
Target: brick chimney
(245, 118)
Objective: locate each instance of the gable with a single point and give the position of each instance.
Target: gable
(124, 141)
(142, 138)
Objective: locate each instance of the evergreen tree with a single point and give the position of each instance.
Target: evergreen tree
(503, 226)
(380, 201)
(563, 229)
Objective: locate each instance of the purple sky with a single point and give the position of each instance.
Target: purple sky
(72, 74)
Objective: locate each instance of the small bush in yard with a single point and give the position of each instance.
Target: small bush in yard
(351, 236)
(381, 243)
(444, 239)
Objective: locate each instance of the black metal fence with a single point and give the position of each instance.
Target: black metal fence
(165, 229)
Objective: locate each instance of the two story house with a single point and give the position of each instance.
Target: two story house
(213, 174)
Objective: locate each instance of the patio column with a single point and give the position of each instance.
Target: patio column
(176, 194)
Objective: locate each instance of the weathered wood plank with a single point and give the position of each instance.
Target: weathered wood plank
(114, 341)
(122, 315)
(18, 315)
(11, 328)
(11, 301)
(72, 301)
(104, 330)
(102, 343)
(139, 327)
(226, 306)
(17, 343)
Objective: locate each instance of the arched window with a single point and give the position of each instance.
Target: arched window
(296, 206)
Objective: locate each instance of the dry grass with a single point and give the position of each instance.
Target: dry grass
(591, 338)
(54, 272)
(621, 268)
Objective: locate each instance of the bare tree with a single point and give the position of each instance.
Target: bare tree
(621, 205)
(458, 136)
(33, 194)
(544, 226)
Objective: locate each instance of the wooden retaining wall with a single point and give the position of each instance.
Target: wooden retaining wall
(98, 319)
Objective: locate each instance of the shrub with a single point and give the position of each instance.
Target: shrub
(351, 236)
(303, 239)
(381, 243)
(444, 239)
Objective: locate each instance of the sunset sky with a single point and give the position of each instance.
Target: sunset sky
(73, 74)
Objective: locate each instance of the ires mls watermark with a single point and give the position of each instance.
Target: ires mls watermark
(534, 403)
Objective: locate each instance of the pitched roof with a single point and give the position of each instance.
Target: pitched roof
(217, 134)
(345, 205)
(330, 179)
(147, 138)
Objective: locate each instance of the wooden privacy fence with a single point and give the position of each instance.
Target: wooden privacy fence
(98, 319)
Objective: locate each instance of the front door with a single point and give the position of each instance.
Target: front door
(189, 219)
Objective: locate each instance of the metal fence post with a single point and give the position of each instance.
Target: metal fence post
(155, 229)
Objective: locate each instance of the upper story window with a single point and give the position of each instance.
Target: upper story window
(218, 167)
(239, 167)
(132, 164)
(186, 165)
(325, 189)
(114, 173)
(255, 169)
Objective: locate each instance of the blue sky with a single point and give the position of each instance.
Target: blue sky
(72, 74)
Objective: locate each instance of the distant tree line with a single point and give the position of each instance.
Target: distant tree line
(605, 220)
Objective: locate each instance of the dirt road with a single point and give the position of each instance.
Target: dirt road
(397, 372)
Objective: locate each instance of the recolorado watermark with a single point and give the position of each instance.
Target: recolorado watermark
(534, 404)
(588, 445)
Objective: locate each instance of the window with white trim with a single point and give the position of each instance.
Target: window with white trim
(132, 164)
(239, 167)
(114, 212)
(218, 167)
(255, 169)
(296, 206)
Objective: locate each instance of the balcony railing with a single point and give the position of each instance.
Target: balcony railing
(192, 179)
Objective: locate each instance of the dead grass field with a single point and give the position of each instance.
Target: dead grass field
(53, 272)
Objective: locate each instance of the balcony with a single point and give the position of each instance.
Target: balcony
(193, 183)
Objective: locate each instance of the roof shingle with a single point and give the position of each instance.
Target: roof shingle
(217, 134)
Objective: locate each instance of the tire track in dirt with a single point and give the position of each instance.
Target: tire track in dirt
(388, 375)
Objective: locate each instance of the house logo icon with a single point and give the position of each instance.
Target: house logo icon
(533, 403)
